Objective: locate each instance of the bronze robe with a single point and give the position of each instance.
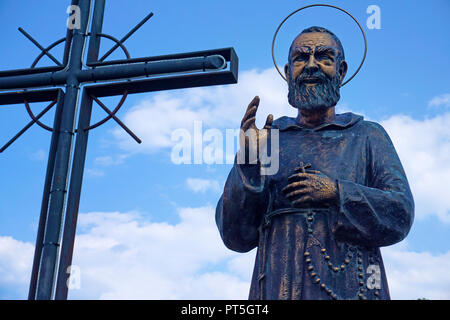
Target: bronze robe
(329, 252)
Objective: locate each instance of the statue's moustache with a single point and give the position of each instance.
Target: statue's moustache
(304, 77)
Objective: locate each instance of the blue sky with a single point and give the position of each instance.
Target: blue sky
(147, 222)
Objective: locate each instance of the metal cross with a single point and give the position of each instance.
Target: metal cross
(302, 167)
(53, 251)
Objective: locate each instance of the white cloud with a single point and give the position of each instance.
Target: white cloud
(38, 155)
(107, 161)
(202, 185)
(414, 275)
(424, 149)
(94, 173)
(123, 256)
(441, 100)
(16, 259)
(242, 265)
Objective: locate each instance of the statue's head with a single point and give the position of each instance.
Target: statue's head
(315, 70)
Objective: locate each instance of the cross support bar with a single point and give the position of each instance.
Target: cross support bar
(173, 82)
(15, 97)
(116, 72)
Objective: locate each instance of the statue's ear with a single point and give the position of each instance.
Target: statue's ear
(342, 70)
(286, 70)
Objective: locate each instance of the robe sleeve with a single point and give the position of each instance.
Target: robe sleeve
(379, 213)
(241, 207)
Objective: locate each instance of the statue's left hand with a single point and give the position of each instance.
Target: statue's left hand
(311, 188)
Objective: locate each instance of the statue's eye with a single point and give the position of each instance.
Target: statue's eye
(321, 56)
(303, 56)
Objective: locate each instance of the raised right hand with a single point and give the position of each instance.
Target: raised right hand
(256, 140)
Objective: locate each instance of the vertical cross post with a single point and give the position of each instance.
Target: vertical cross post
(46, 196)
(76, 179)
(47, 268)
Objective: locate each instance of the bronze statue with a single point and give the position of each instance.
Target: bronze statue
(339, 195)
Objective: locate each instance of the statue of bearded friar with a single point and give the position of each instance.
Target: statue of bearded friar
(339, 194)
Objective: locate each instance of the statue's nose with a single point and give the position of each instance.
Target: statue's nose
(312, 65)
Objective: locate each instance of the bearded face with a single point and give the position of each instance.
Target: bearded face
(312, 89)
(315, 70)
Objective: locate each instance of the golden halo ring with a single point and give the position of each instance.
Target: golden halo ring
(321, 5)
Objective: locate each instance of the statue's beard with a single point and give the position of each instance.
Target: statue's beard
(322, 95)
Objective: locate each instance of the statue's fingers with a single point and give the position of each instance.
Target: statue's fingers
(293, 186)
(253, 105)
(301, 200)
(254, 102)
(299, 176)
(251, 112)
(300, 192)
(248, 123)
(269, 121)
(313, 171)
